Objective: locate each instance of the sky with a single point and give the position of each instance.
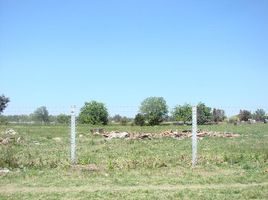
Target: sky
(59, 53)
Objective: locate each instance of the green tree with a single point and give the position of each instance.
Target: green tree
(93, 113)
(259, 115)
(182, 113)
(3, 103)
(41, 115)
(154, 109)
(139, 119)
(63, 119)
(218, 115)
(244, 115)
(204, 114)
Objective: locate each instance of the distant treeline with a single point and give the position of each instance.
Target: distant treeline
(152, 111)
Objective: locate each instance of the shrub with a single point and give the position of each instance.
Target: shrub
(93, 113)
(139, 119)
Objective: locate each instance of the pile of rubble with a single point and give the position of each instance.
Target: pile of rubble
(9, 136)
(167, 134)
(200, 134)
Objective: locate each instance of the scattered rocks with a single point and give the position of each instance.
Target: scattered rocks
(171, 134)
(5, 141)
(10, 136)
(116, 134)
(10, 132)
(4, 171)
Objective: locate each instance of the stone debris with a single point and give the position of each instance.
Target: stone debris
(4, 171)
(10, 132)
(10, 136)
(36, 142)
(116, 134)
(57, 139)
(168, 134)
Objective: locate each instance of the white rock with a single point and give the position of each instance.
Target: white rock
(11, 132)
(4, 171)
(118, 135)
(57, 139)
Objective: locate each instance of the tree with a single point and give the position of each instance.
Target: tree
(139, 119)
(218, 115)
(3, 103)
(182, 113)
(259, 115)
(204, 114)
(154, 109)
(63, 119)
(41, 114)
(244, 115)
(93, 113)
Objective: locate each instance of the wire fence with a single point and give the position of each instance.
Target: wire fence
(201, 120)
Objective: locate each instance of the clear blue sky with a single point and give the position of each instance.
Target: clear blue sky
(58, 53)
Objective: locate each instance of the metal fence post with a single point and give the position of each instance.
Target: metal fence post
(73, 159)
(194, 136)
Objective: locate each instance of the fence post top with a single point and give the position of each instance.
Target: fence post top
(73, 108)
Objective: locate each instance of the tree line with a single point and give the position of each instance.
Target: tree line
(152, 111)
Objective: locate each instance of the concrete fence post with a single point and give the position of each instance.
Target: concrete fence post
(194, 136)
(73, 158)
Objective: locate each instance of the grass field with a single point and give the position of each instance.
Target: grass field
(228, 168)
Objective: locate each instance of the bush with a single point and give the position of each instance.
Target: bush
(204, 114)
(63, 119)
(233, 119)
(139, 120)
(244, 115)
(93, 113)
(182, 113)
(259, 115)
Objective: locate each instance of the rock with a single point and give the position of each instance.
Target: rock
(10, 132)
(19, 139)
(145, 136)
(36, 142)
(118, 135)
(5, 141)
(4, 171)
(80, 135)
(179, 135)
(57, 139)
(202, 134)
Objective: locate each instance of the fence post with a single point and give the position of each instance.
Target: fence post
(194, 136)
(73, 159)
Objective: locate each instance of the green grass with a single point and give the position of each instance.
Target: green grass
(135, 169)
